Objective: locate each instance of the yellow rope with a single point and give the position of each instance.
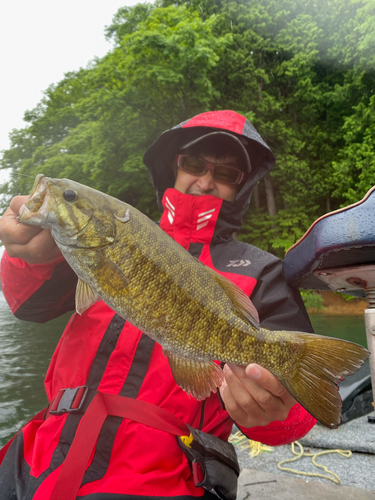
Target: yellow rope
(255, 448)
(333, 477)
(243, 443)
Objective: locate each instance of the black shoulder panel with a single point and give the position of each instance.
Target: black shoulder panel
(279, 306)
(241, 258)
(54, 298)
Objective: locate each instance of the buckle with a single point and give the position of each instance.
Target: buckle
(69, 400)
(199, 473)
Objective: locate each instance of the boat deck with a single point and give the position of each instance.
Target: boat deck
(261, 479)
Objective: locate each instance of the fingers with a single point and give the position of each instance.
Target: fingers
(12, 232)
(232, 403)
(17, 202)
(266, 380)
(40, 249)
(31, 243)
(253, 396)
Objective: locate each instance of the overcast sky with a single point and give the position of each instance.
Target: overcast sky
(40, 41)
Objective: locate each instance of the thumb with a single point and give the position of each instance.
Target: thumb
(17, 202)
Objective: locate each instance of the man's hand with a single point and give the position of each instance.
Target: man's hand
(253, 396)
(32, 244)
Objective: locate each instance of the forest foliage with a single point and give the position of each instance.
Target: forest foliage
(303, 73)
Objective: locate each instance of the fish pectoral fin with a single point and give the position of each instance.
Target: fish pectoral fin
(107, 274)
(85, 296)
(197, 378)
(90, 240)
(239, 298)
(112, 273)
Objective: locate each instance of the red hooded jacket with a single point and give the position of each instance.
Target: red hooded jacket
(101, 350)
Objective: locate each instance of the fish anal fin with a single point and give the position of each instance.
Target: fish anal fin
(85, 296)
(239, 298)
(319, 371)
(198, 378)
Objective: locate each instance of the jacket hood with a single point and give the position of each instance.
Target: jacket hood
(160, 155)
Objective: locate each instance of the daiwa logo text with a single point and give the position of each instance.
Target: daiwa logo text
(239, 263)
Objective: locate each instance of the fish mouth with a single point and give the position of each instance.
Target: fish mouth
(34, 210)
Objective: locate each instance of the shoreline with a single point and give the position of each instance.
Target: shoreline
(336, 304)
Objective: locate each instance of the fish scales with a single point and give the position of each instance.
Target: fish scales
(154, 285)
(198, 316)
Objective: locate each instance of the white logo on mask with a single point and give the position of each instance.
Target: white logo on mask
(204, 217)
(171, 210)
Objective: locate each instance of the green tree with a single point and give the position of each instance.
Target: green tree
(355, 168)
(302, 72)
(95, 125)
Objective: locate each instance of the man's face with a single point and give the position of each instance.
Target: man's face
(190, 184)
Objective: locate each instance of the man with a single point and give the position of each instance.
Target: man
(204, 171)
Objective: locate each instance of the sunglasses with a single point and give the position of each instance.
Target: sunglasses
(221, 172)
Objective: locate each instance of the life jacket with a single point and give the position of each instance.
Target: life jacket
(213, 461)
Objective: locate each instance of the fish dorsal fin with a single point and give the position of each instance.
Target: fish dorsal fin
(239, 298)
(85, 296)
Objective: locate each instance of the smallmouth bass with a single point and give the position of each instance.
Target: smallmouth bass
(197, 315)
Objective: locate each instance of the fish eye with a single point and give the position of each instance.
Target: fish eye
(70, 195)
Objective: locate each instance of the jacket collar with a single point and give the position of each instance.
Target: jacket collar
(160, 155)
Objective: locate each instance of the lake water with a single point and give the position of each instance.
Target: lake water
(26, 349)
(25, 352)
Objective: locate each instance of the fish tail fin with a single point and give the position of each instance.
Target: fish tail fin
(320, 369)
